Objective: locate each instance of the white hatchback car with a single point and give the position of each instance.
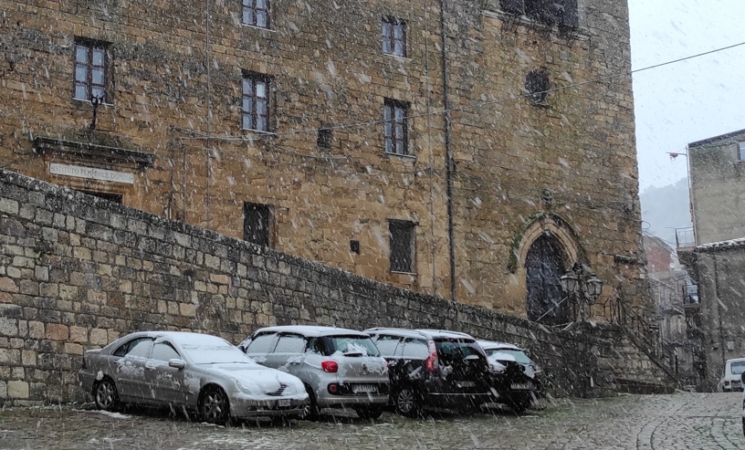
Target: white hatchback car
(731, 373)
(340, 368)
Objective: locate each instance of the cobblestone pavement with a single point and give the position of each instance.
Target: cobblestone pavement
(669, 422)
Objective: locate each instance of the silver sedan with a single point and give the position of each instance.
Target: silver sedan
(188, 371)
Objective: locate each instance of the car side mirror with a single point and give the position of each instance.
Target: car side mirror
(177, 363)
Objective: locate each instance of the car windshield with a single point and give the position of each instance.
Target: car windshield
(215, 354)
(737, 367)
(519, 355)
(451, 348)
(352, 345)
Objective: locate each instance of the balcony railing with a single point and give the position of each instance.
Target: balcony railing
(684, 238)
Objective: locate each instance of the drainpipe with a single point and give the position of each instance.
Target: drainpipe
(719, 310)
(448, 148)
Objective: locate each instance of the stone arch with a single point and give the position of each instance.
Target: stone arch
(547, 234)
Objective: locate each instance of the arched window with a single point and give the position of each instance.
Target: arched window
(544, 267)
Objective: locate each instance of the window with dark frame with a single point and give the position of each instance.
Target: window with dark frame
(255, 108)
(323, 140)
(396, 127)
(402, 245)
(256, 13)
(257, 221)
(90, 71)
(741, 152)
(394, 36)
(563, 13)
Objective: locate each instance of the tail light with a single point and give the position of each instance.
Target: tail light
(330, 366)
(430, 364)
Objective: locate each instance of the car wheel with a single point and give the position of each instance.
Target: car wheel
(214, 406)
(106, 395)
(406, 402)
(370, 412)
(311, 410)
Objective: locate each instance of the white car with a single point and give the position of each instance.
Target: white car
(731, 373)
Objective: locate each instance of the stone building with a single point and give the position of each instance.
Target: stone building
(469, 150)
(716, 258)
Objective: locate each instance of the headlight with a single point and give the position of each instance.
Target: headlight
(245, 386)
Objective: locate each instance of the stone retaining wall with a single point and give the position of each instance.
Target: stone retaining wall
(76, 272)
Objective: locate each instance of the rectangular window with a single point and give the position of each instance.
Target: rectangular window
(549, 12)
(396, 127)
(402, 242)
(323, 140)
(256, 13)
(257, 220)
(90, 71)
(255, 102)
(741, 152)
(394, 37)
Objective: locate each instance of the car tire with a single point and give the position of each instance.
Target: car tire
(311, 410)
(214, 406)
(406, 402)
(105, 395)
(370, 412)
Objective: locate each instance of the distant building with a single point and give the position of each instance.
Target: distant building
(668, 283)
(715, 253)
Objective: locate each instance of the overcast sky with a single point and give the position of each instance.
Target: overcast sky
(691, 100)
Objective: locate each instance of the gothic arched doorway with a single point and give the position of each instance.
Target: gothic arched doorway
(544, 266)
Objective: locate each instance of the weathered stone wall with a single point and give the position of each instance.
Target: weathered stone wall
(77, 272)
(177, 79)
(718, 271)
(717, 188)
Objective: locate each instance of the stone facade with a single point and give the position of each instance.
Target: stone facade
(78, 272)
(720, 317)
(170, 130)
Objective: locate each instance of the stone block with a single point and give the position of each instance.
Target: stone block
(3, 389)
(8, 285)
(8, 206)
(36, 330)
(28, 358)
(17, 389)
(219, 278)
(99, 336)
(8, 327)
(57, 332)
(73, 349)
(187, 309)
(78, 334)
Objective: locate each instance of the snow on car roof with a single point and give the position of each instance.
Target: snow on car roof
(498, 345)
(310, 330)
(181, 337)
(420, 332)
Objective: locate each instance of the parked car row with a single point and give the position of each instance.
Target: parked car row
(295, 371)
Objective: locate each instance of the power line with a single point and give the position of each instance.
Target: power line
(512, 98)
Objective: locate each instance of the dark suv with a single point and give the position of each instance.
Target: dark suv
(433, 369)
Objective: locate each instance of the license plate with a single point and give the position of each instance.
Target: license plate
(521, 386)
(284, 402)
(364, 388)
(466, 384)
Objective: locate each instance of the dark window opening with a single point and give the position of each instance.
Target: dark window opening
(537, 84)
(90, 71)
(549, 12)
(324, 139)
(256, 13)
(257, 223)
(255, 107)
(394, 37)
(354, 247)
(396, 127)
(402, 245)
(116, 198)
